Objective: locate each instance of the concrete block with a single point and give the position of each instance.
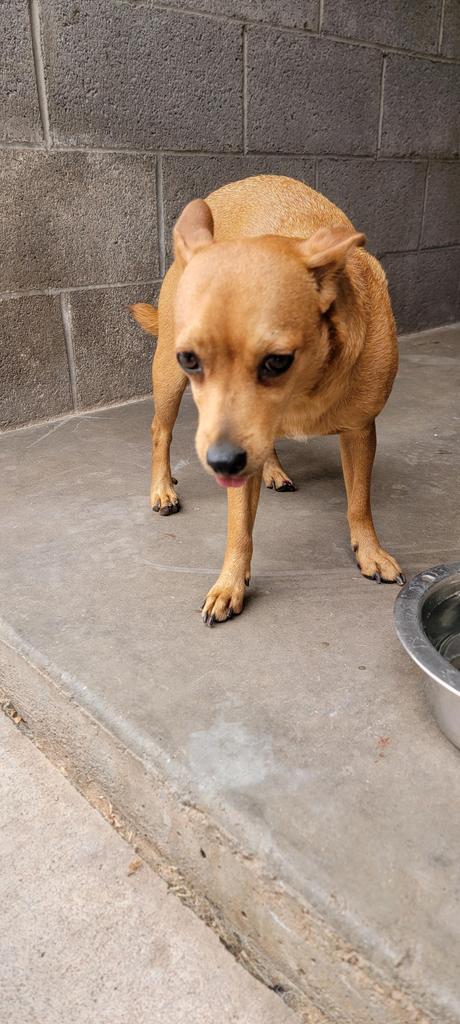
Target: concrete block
(189, 177)
(20, 115)
(423, 288)
(306, 94)
(451, 30)
(76, 218)
(112, 355)
(442, 212)
(421, 100)
(120, 74)
(295, 14)
(398, 23)
(383, 198)
(34, 375)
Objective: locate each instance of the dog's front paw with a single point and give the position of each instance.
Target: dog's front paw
(163, 498)
(376, 564)
(225, 599)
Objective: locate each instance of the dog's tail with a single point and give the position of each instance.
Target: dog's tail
(146, 316)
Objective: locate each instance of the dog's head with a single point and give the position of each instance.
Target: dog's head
(250, 332)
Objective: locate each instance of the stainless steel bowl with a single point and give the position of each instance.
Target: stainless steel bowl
(427, 617)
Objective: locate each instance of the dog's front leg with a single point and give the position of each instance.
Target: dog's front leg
(358, 451)
(226, 597)
(169, 384)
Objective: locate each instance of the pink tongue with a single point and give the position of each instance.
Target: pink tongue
(231, 481)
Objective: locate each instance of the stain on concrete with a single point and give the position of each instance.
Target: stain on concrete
(229, 756)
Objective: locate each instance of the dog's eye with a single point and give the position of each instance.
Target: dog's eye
(274, 366)
(189, 362)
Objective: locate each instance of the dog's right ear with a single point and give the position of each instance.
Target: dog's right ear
(193, 230)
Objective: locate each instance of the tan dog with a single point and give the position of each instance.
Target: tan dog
(284, 328)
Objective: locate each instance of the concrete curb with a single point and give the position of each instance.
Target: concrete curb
(268, 926)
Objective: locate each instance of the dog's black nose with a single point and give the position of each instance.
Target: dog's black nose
(226, 458)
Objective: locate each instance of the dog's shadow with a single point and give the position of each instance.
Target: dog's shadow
(312, 461)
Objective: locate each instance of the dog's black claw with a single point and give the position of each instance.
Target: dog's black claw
(169, 509)
(287, 485)
(174, 480)
(247, 580)
(400, 580)
(230, 613)
(270, 486)
(377, 577)
(156, 507)
(211, 621)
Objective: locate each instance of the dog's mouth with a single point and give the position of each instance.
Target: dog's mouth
(230, 481)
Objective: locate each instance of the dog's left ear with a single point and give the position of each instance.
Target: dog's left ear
(325, 254)
(193, 230)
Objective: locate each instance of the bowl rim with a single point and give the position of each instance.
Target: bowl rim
(409, 627)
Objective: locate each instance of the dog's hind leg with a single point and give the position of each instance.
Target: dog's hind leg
(274, 475)
(358, 451)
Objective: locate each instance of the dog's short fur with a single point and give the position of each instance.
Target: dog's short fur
(267, 267)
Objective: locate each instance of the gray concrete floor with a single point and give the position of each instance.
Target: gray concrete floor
(89, 934)
(296, 739)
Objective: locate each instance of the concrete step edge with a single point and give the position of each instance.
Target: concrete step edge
(269, 928)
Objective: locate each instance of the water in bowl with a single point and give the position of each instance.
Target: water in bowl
(442, 627)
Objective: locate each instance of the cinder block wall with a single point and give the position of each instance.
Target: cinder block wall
(114, 113)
